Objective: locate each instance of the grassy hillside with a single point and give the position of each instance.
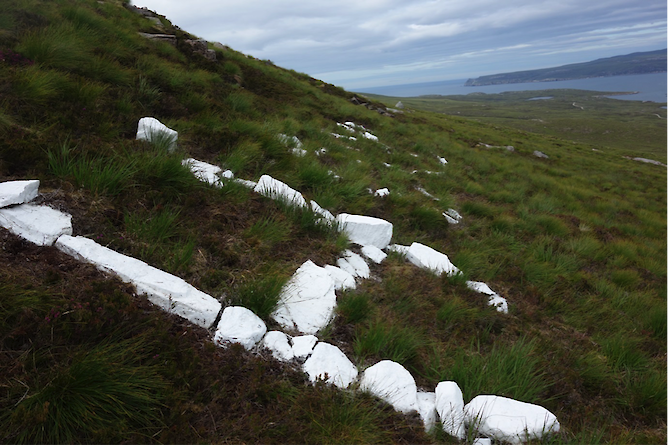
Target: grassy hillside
(576, 243)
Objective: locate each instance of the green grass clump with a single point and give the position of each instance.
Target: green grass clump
(260, 295)
(386, 341)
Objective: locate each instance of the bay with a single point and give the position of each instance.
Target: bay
(648, 87)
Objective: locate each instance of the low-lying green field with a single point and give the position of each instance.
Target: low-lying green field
(576, 242)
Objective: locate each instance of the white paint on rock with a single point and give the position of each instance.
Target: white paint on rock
(442, 160)
(450, 407)
(205, 172)
(366, 230)
(302, 345)
(370, 136)
(328, 363)
(427, 409)
(307, 301)
(275, 189)
(354, 264)
(427, 258)
(450, 219)
(343, 280)
(374, 254)
(324, 213)
(382, 192)
(508, 420)
(18, 192)
(150, 128)
(41, 225)
(167, 291)
(279, 345)
(392, 383)
(239, 325)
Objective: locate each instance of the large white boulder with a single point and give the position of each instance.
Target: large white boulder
(509, 420)
(239, 325)
(354, 264)
(450, 407)
(279, 345)
(427, 409)
(275, 189)
(427, 258)
(392, 383)
(329, 363)
(167, 291)
(343, 280)
(302, 345)
(307, 301)
(18, 192)
(366, 230)
(41, 225)
(150, 128)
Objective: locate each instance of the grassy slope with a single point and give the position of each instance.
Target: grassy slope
(575, 242)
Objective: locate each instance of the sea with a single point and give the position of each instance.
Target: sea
(647, 87)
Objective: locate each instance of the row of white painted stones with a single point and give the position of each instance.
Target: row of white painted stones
(307, 304)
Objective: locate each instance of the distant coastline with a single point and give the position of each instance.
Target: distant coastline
(631, 64)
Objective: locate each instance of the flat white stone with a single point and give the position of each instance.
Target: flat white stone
(450, 407)
(328, 363)
(366, 230)
(246, 183)
(275, 189)
(450, 219)
(299, 152)
(302, 346)
(392, 383)
(239, 325)
(387, 165)
(204, 171)
(427, 409)
(326, 214)
(18, 192)
(427, 258)
(343, 280)
(167, 291)
(499, 303)
(279, 345)
(442, 160)
(370, 136)
(504, 419)
(150, 127)
(480, 287)
(41, 225)
(453, 214)
(307, 301)
(374, 254)
(398, 248)
(354, 264)
(346, 127)
(382, 192)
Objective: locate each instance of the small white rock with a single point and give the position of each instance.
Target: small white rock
(427, 409)
(398, 248)
(374, 254)
(302, 346)
(366, 230)
(150, 128)
(327, 362)
(279, 345)
(382, 192)
(239, 325)
(354, 264)
(450, 407)
(275, 189)
(391, 382)
(427, 258)
(343, 280)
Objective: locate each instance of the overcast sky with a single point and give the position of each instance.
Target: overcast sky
(366, 43)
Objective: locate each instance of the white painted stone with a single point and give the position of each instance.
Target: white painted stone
(346, 127)
(382, 192)
(442, 160)
(366, 230)
(403, 250)
(204, 171)
(374, 254)
(328, 363)
(167, 291)
(299, 152)
(275, 189)
(326, 214)
(450, 407)
(431, 259)
(480, 287)
(370, 136)
(343, 280)
(387, 165)
(450, 219)
(321, 151)
(499, 303)
(504, 419)
(290, 141)
(41, 225)
(392, 383)
(302, 346)
(307, 301)
(453, 214)
(227, 174)
(279, 345)
(354, 264)
(18, 192)
(540, 154)
(246, 183)
(150, 127)
(239, 325)
(427, 194)
(427, 409)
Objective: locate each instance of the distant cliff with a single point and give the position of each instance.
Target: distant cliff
(636, 63)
